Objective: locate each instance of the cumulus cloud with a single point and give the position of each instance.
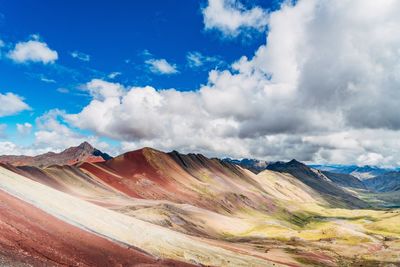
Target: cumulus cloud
(11, 104)
(161, 66)
(81, 56)
(33, 51)
(323, 88)
(231, 17)
(24, 128)
(101, 90)
(52, 134)
(10, 148)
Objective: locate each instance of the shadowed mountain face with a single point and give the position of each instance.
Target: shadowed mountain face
(70, 156)
(253, 165)
(345, 180)
(319, 182)
(388, 182)
(360, 172)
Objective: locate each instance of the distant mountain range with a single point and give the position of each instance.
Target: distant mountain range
(253, 165)
(367, 177)
(387, 182)
(344, 180)
(319, 181)
(373, 178)
(353, 176)
(361, 177)
(384, 183)
(70, 156)
(361, 172)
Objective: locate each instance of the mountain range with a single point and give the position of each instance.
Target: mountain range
(361, 172)
(386, 182)
(81, 207)
(72, 155)
(319, 181)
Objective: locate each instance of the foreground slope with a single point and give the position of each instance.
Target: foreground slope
(70, 180)
(153, 239)
(29, 236)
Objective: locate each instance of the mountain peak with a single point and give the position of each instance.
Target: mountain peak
(295, 162)
(86, 146)
(79, 151)
(149, 149)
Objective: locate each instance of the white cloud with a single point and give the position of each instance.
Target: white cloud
(196, 59)
(100, 89)
(161, 66)
(24, 128)
(323, 87)
(34, 51)
(52, 135)
(63, 90)
(231, 17)
(81, 56)
(47, 80)
(11, 104)
(113, 75)
(9, 148)
(35, 37)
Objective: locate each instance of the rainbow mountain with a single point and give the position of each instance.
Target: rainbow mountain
(82, 207)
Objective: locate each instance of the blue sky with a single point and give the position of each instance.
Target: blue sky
(117, 37)
(313, 80)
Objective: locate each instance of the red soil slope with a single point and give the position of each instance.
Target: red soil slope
(137, 175)
(31, 237)
(193, 179)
